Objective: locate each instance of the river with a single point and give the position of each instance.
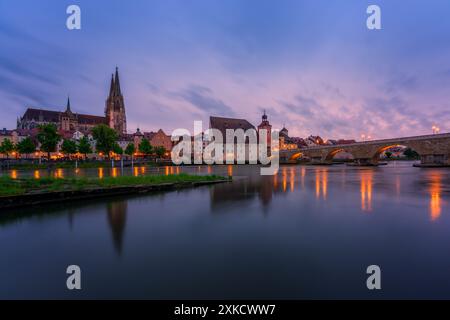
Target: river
(307, 232)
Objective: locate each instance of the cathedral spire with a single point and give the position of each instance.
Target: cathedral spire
(111, 88)
(117, 83)
(68, 105)
(115, 106)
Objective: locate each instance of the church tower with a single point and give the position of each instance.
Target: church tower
(115, 106)
(265, 124)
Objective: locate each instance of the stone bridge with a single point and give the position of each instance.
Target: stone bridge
(434, 150)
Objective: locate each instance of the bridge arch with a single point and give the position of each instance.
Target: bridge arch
(329, 157)
(380, 150)
(295, 156)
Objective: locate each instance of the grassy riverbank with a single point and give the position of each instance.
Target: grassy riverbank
(13, 187)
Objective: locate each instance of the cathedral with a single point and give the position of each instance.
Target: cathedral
(69, 122)
(115, 106)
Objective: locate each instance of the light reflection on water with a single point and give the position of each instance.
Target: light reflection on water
(303, 233)
(435, 196)
(286, 174)
(321, 183)
(366, 190)
(13, 174)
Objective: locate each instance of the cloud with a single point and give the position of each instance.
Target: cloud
(338, 83)
(400, 82)
(17, 70)
(202, 98)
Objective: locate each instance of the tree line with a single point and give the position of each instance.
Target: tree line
(105, 137)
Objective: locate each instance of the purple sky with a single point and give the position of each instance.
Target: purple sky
(313, 65)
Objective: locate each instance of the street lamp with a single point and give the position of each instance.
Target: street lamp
(435, 129)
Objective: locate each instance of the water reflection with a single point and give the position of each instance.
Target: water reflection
(275, 181)
(230, 170)
(117, 217)
(366, 190)
(435, 190)
(297, 183)
(304, 210)
(292, 180)
(242, 191)
(266, 188)
(302, 175)
(59, 173)
(321, 184)
(397, 185)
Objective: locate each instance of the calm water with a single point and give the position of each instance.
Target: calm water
(309, 232)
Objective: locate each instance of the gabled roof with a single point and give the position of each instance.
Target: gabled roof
(53, 116)
(150, 135)
(222, 124)
(36, 114)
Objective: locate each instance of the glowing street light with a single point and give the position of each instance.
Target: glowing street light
(435, 129)
(365, 137)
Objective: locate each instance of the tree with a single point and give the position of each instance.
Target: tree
(69, 147)
(411, 154)
(84, 147)
(105, 138)
(130, 149)
(388, 154)
(145, 147)
(117, 149)
(26, 146)
(6, 147)
(160, 151)
(48, 137)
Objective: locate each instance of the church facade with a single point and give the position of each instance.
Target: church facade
(70, 122)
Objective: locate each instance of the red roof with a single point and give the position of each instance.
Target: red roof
(222, 124)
